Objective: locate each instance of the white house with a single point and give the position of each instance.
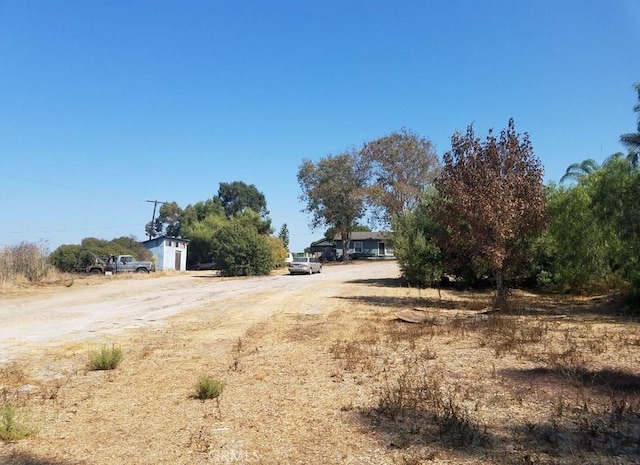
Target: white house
(170, 252)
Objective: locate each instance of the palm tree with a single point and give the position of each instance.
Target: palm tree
(632, 140)
(579, 171)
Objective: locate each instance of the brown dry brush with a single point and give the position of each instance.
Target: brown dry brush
(419, 403)
(594, 417)
(23, 261)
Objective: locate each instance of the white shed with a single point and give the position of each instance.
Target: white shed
(170, 252)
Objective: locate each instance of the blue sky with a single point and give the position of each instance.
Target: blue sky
(107, 104)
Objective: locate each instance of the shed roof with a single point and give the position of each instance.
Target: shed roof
(159, 239)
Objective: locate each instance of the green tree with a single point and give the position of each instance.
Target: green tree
(169, 219)
(284, 235)
(239, 250)
(200, 235)
(200, 221)
(615, 193)
(401, 166)
(414, 245)
(333, 190)
(491, 202)
(632, 140)
(237, 197)
(200, 211)
(594, 228)
(579, 244)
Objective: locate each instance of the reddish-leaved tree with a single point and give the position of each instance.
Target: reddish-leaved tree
(491, 202)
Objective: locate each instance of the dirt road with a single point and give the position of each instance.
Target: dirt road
(91, 309)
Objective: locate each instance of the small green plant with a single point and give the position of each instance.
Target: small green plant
(107, 358)
(12, 425)
(209, 388)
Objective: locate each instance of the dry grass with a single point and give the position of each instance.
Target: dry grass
(554, 382)
(54, 280)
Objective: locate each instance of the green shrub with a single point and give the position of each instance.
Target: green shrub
(107, 358)
(69, 258)
(209, 388)
(75, 258)
(419, 258)
(240, 250)
(12, 424)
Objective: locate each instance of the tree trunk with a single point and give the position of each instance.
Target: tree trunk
(345, 251)
(501, 294)
(346, 243)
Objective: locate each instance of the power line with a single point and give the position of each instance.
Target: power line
(69, 230)
(68, 187)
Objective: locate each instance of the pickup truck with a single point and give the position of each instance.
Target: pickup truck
(121, 264)
(126, 263)
(97, 267)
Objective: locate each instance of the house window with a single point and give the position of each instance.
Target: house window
(357, 247)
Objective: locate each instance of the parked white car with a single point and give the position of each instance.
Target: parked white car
(305, 265)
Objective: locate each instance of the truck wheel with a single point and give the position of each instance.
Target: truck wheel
(95, 271)
(142, 270)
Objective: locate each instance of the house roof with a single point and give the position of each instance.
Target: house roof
(323, 243)
(367, 235)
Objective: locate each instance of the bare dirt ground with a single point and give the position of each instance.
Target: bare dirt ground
(318, 370)
(104, 305)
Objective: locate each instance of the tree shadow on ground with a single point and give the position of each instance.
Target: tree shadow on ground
(577, 436)
(606, 381)
(603, 308)
(522, 302)
(475, 302)
(590, 434)
(206, 274)
(600, 424)
(381, 282)
(23, 458)
(417, 428)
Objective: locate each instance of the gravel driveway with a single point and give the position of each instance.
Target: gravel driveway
(92, 309)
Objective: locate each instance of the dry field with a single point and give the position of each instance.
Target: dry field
(335, 378)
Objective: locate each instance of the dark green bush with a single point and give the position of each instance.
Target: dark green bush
(239, 250)
(74, 258)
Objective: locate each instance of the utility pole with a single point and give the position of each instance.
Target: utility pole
(153, 218)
